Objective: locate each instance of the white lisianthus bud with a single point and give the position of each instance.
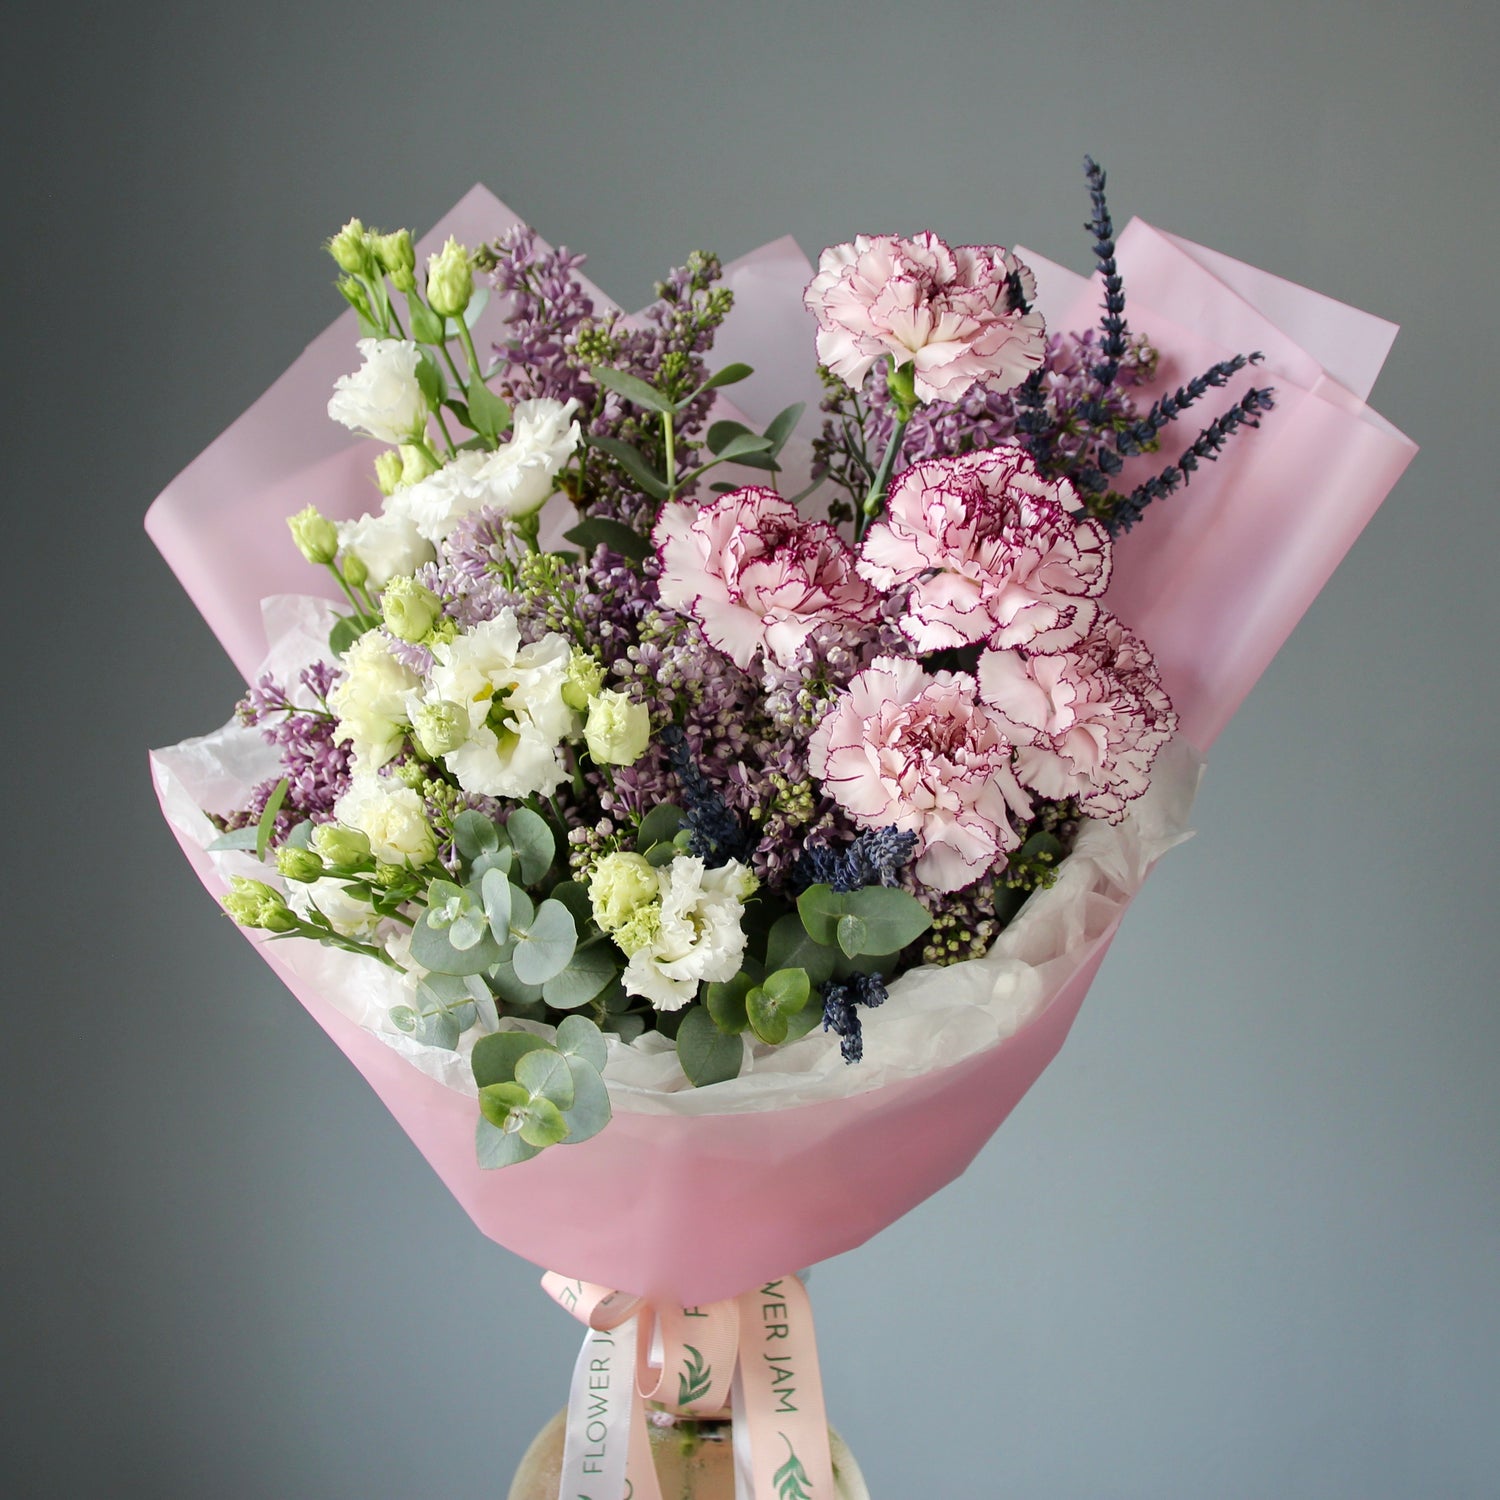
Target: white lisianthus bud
(450, 279)
(388, 471)
(397, 257)
(383, 397)
(416, 463)
(618, 729)
(317, 538)
(585, 678)
(350, 247)
(370, 703)
(409, 610)
(346, 913)
(440, 727)
(342, 848)
(391, 816)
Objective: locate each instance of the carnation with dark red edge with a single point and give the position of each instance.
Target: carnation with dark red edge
(991, 552)
(902, 749)
(757, 576)
(958, 316)
(1088, 721)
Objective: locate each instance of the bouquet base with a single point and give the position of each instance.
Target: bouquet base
(694, 1460)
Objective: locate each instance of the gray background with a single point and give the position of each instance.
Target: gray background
(1242, 1240)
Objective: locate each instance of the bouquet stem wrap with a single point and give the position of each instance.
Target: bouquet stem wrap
(755, 1353)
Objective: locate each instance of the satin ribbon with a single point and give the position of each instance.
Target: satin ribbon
(755, 1354)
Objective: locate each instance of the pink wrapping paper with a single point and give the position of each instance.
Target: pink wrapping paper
(694, 1209)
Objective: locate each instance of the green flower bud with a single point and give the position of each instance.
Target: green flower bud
(622, 887)
(585, 678)
(389, 471)
(353, 291)
(395, 253)
(450, 279)
(350, 247)
(440, 727)
(618, 729)
(299, 864)
(416, 464)
(343, 848)
(409, 610)
(356, 574)
(317, 538)
(639, 932)
(253, 903)
(387, 876)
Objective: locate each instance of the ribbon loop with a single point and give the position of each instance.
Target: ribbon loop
(755, 1353)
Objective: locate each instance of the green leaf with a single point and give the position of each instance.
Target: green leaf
(495, 889)
(502, 860)
(853, 933)
(892, 918)
(301, 836)
(820, 907)
(547, 944)
(790, 947)
(577, 1036)
(489, 415)
(484, 1002)
(744, 445)
(721, 433)
(627, 1028)
(588, 972)
(495, 1148)
(495, 1056)
(403, 1018)
(430, 378)
(347, 629)
(515, 1109)
(729, 375)
(534, 844)
(707, 1055)
(575, 896)
(466, 930)
(659, 826)
(600, 531)
(425, 325)
(267, 825)
(590, 1112)
(431, 947)
(631, 388)
(633, 463)
(474, 834)
(240, 838)
(546, 1074)
(695, 1377)
(783, 424)
(439, 1028)
(726, 1004)
(519, 997)
(772, 1005)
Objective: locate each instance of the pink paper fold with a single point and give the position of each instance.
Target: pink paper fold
(695, 1209)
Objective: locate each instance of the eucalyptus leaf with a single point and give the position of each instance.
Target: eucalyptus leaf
(267, 825)
(577, 1036)
(474, 834)
(547, 945)
(533, 842)
(790, 947)
(522, 909)
(519, 997)
(484, 1002)
(545, 1073)
(853, 934)
(300, 837)
(707, 1055)
(495, 1056)
(466, 929)
(495, 1148)
(575, 896)
(632, 388)
(627, 1028)
(588, 972)
(438, 1028)
(403, 1018)
(600, 531)
(892, 918)
(503, 860)
(726, 1003)
(443, 989)
(239, 838)
(495, 889)
(431, 948)
(514, 1108)
(820, 907)
(590, 1111)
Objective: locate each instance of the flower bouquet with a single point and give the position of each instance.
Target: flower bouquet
(669, 814)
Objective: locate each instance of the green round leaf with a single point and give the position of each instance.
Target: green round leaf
(534, 844)
(497, 1148)
(589, 971)
(474, 834)
(547, 944)
(577, 1036)
(790, 947)
(590, 1110)
(726, 1004)
(403, 1018)
(765, 1017)
(499, 1101)
(853, 932)
(707, 1055)
(495, 1056)
(431, 948)
(545, 1073)
(495, 888)
(892, 918)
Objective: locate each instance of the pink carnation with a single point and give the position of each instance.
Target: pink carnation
(756, 576)
(900, 748)
(991, 552)
(955, 315)
(1095, 714)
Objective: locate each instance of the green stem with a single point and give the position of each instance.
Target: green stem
(876, 498)
(470, 354)
(671, 438)
(447, 437)
(359, 608)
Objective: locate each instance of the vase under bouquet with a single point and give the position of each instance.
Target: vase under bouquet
(694, 764)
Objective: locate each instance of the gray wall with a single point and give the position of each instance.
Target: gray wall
(1242, 1239)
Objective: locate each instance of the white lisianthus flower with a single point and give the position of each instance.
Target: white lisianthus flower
(699, 935)
(513, 696)
(515, 479)
(618, 729)
(370, 703)
(382, 397)
(392, 816)
(388, 545)
(346, 913)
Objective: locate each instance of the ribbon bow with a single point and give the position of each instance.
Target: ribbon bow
(755, 1353)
